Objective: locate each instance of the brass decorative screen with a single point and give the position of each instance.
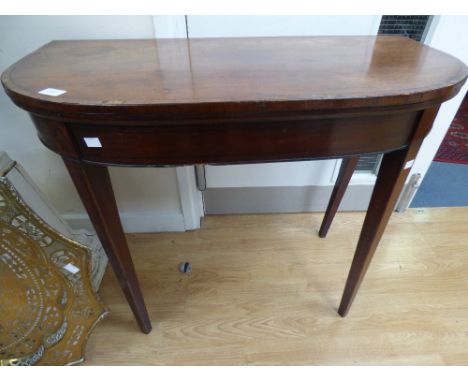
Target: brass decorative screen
(47, 303)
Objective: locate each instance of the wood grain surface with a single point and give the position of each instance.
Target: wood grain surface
(265, 288)
(248, 74)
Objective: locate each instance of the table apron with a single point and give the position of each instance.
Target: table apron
(229, 142)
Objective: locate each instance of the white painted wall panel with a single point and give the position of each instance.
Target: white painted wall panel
(271, 174)
(243, 26)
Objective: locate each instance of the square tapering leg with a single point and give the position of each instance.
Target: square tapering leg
(348, 165)
(393, 172)
(95, 189)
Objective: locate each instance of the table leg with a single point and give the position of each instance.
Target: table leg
(347, 168)
(393, 172)
(94, 186)
(390, 181)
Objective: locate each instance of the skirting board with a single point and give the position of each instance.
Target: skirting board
(282, 199)
(240, 200)
(135, 222)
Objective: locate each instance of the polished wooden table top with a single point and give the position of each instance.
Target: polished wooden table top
(219, 75)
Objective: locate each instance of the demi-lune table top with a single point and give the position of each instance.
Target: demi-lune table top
(230, 74)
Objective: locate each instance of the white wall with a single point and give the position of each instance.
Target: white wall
(148, 199)
(243, 26)
(448, 34)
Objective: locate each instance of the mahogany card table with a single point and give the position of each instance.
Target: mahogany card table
(173, 102)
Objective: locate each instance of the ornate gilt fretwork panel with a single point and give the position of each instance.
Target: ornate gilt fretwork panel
(47, 304)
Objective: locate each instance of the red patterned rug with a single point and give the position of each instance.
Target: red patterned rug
(454, 147)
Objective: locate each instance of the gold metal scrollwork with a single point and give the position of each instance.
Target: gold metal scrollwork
(47, 303)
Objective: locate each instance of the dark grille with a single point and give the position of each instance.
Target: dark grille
(368, 163)
(409, 26)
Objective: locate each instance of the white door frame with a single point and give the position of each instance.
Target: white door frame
(191, 200)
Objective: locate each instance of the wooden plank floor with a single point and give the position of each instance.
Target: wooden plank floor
(265, 290)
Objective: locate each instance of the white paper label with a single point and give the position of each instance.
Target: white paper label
(409, 164)
(71, 268)
(92, 142)
(52, 92)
